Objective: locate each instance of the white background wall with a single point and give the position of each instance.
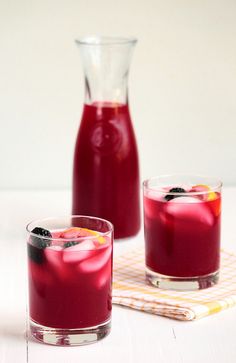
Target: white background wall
(182, 85)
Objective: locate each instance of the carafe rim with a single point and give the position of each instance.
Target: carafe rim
(99, 40)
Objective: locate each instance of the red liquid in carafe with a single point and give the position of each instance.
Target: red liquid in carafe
(106, 171)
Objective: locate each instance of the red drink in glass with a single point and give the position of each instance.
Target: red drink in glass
(70, 276)
(182, 235)
(106, 172)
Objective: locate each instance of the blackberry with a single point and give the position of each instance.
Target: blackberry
(70, 244)
(169, 197)
(41, 242)
(38, 244)
(35, 254)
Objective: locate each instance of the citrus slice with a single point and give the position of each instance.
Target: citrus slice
(90, 232)
(205, 188)
(76, 232)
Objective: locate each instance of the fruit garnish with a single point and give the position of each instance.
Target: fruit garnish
(100, 239)
(71, 233)
(169, 197)
(210, 195)
(70, 244)
(38, 244)
(77, 232)
(38, 241)
(35, 254)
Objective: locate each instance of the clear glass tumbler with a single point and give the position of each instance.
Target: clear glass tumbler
(70, 279)
(182, 219)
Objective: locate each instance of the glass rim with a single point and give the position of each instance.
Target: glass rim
(160, 188)
(99, 40)
(82, 238)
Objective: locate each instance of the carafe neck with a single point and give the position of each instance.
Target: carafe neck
(106, 62)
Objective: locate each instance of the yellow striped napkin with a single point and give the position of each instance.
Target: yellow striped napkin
(130, 289)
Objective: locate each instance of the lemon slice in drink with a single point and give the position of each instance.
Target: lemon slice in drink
(205, 188)
(76, 232)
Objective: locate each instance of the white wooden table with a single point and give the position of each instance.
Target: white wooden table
(135, 336)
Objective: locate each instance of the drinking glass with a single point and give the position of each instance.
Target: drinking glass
(70, 276)
(182, 219)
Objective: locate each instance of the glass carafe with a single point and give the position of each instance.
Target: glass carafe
(106, 169)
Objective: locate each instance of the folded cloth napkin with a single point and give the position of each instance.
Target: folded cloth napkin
(130, 289)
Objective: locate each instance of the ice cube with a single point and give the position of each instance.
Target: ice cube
(85, 245)
(56, 234)
(189, 209)
(54, 263)
(184, 200)
(78, 252)
(104, 275)
(71, 233)
(96, 261)
(54, 256)
(55, 248)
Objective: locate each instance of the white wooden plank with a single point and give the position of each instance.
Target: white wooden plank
(12, 303)
(211, 339)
